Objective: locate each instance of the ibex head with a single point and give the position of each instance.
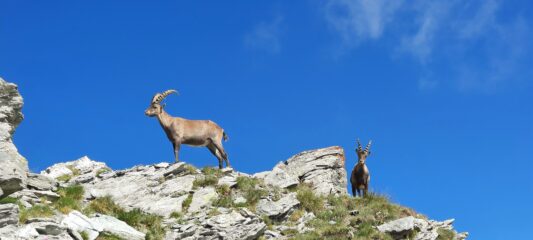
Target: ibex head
(363, 154)
(155, 107)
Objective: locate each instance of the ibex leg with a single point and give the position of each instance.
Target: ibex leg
(215, 152)
(176, 150)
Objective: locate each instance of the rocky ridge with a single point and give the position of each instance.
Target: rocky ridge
(303, 197)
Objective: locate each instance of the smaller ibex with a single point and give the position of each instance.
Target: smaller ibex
(191, 132)
(360, 175)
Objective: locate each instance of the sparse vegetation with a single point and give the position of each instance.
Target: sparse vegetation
(107, 236)
(186, 203)
(38, 210)
(308, 200)
(211, 171)
(104, 205)
(64, 178)
(373, 210)
(204, 181)
(445, 234)
(7, 200)
(190, 169)
(69, 199)
(225, 198)
(250, 190)
(84, 235)
(148, 223)
(102, 171)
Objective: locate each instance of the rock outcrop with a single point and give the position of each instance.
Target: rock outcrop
(422, 229)
(323, 168)
(14, 168)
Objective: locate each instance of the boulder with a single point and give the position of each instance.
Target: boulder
(9, 214)
(280, 209)
(40, 182)
(425, 229)
(118, 228)
(77, 222)
(323, 169)
(202, 198)
(13, 173)
(146, 188)
(82, 168)
(236, 225)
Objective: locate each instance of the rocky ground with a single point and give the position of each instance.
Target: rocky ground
(303, 197)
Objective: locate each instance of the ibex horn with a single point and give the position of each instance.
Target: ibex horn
(359, 145)
(160, 96)
(368, 146)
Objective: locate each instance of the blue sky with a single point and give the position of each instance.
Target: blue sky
(443, 88)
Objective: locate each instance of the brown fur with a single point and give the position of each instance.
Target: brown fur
(360, 177)
(191, 132)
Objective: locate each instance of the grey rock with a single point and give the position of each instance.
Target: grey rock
(117, 227)
(1, 192)
(77, 222)
(278, 209)
(40, 182)
(34, 196)
(84, 166)
(9, 214)
(202, 198)
(145, 188)
(426, 230)
(14, 170)
(322, 168)
(48, 228)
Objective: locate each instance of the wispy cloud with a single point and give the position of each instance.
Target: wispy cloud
(479, 51)
(359, 20)
(265, 36)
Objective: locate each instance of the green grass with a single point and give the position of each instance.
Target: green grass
(225, 198)
(250, 190)
(190, 169)
(374, 209)
(309, 200)
(445, 234)
(148, 223)
(104, 205)
(64, 178)
(38, 210)
(211, 171)
(7, 200)
(84, 235)
(70, 198)
(204, 181)
(102, 171)
(186, 203)
(107, 236)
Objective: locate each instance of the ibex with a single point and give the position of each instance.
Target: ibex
(360, 175)
(191, 132)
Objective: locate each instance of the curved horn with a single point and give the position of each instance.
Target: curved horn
(160, 96)
(359, 148)
(367, 149)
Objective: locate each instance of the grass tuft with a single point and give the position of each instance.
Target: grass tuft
(102, 171)
(38, 210)
(7, 200)
(309, 200)
(445, 234)
(186, 203)
(249, 187)
(70, 198)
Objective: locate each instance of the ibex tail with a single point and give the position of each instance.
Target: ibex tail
(225, 136)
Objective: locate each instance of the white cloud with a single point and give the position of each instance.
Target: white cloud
(265, 36)
(465, 40)
(358, 20)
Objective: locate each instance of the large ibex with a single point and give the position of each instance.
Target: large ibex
(360, 175)
(191, 132)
